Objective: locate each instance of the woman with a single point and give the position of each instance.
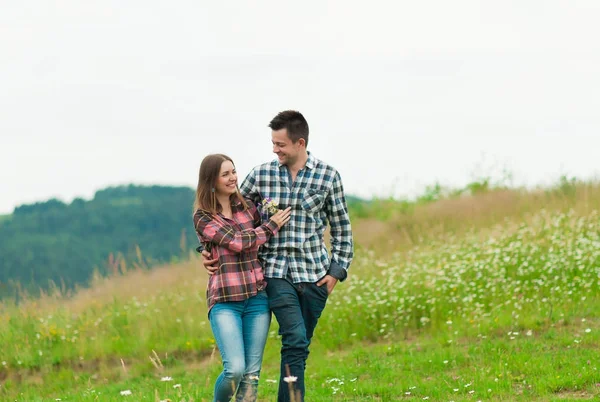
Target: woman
(238, 310)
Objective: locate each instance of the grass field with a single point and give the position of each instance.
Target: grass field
(488, 298)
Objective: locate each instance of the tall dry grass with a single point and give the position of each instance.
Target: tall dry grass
(417, 225)
(130, 282)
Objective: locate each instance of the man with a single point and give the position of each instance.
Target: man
(300, 274)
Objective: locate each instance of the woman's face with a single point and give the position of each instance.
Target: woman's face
(227, 180)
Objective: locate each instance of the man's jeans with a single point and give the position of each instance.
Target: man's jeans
(240, 330)
(297, 308)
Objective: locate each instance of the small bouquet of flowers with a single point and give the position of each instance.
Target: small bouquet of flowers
(270, 205)
(268, 208)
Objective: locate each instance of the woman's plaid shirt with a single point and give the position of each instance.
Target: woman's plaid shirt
(234, 242)
(317, 198)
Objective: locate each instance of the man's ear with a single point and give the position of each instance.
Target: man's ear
(302, 142)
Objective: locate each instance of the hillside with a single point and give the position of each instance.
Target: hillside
(473, 298)
(64, 243)
(51, 243)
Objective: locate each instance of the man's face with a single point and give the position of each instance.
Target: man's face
(287, 152)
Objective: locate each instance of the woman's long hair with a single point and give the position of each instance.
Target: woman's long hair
(206, 197)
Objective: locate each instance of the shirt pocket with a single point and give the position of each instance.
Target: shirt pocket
(313, 200)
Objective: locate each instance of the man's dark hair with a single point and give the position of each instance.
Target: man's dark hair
(293, 122)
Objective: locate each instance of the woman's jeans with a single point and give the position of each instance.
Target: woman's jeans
(240, 330)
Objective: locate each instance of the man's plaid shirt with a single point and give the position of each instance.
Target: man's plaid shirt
(316, 197)
(235, 243)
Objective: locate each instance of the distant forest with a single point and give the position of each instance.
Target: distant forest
(63, 243)
(56, 243)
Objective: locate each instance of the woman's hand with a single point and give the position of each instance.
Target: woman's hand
(282, 217)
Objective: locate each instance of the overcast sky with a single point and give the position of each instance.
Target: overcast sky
(397, 94)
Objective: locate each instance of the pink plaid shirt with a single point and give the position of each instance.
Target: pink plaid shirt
(234, 242)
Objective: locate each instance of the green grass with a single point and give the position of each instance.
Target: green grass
(505, 313)
(557, 363)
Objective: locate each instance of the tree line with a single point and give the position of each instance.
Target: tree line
(53, 242)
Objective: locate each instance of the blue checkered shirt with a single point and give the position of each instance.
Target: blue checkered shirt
(316, 197)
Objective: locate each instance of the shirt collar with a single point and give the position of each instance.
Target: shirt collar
(236, 205)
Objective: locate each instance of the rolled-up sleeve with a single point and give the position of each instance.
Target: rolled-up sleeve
(342, 246)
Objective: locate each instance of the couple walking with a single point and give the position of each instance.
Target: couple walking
(264, 251)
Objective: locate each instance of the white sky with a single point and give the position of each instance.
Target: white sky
(397, 94)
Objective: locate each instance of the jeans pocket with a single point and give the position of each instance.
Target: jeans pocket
(321, 290)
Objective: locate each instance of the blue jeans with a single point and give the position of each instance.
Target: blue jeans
(297, 307)
(240, 330)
